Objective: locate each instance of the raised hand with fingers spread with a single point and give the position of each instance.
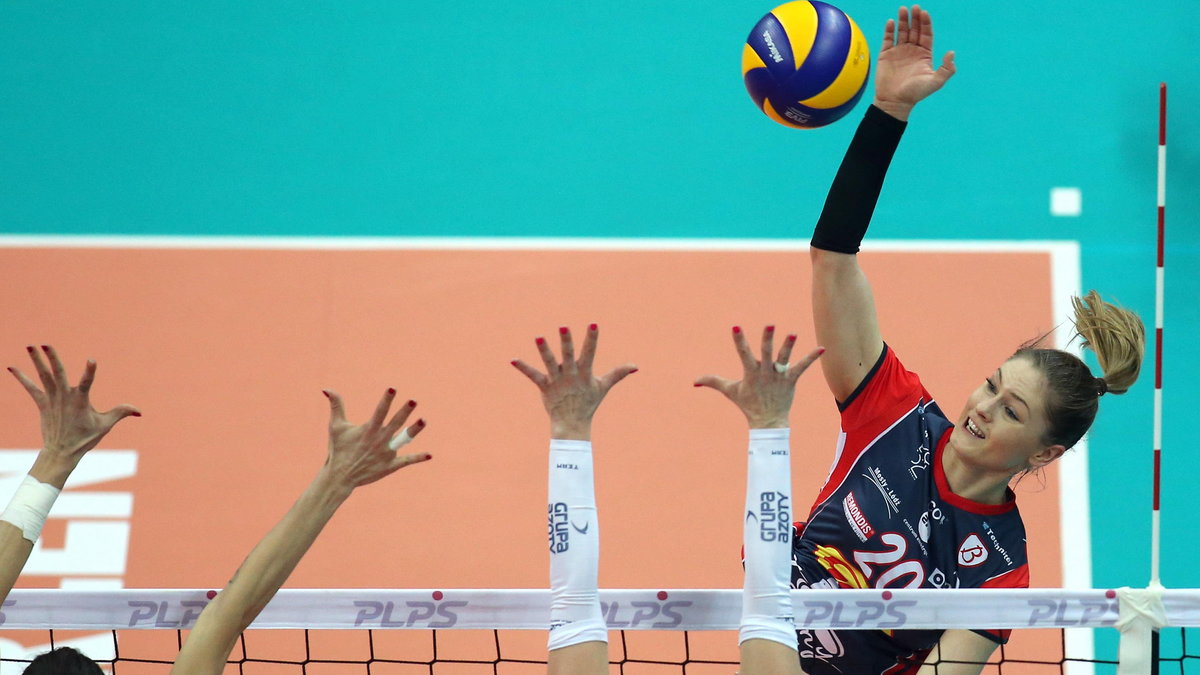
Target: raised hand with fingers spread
(768, 384)
(905, 73)
(70, 425)
(571, 392)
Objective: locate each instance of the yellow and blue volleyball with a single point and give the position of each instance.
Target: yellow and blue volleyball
(806, 64)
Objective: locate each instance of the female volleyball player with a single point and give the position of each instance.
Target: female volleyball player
(916, 498)
(571, 393)
(357, 455)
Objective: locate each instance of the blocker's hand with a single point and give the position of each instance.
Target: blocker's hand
(768, 386)
(70, 425)
(364, 453)
(571, 393)
(905, 75)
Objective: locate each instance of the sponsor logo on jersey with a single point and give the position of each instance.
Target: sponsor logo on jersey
(559, 528)
(972, 552)
(890, 500)
(928, 519)
(938, 579)
(854, 516)
(996, 544)
(920, 462)
(567, 465)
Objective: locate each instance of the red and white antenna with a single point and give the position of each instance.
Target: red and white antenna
(1155, 533)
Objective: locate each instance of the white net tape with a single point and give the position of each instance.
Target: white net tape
(642, 609)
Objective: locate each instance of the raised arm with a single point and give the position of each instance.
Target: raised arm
(70, 427)
(571, 393)
(767, 635)
(843, 306)
(358, 455)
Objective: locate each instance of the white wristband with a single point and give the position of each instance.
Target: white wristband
(30, 506)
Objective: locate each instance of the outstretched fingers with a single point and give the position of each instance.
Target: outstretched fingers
(535, 375)
(768, 346)
(742, 346)
(38, 395)
(785, 352)
(947, 69)
(588, 354)
(803, 364)
(924, 28)
(337, 409)
(381, 409)
(889, 35)
(721, 384)
(88, 377)
(57, 370)
(43, 372)
(612, 377)
(398, 420)
(547, 355)
(569, 367)
(902, 27)
(117, 414)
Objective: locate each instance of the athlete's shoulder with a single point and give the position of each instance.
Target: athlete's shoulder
(889, 389)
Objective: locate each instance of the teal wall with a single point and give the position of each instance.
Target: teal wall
(619, 119)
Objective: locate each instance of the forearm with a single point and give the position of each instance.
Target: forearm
(856, 187)
(260, 576)
(14, 552)
(22, 520)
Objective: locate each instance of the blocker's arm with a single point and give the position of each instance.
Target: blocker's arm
(357, 455)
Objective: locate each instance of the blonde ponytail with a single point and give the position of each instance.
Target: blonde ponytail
(1117, 337)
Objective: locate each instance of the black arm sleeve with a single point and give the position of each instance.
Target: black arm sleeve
(855, 189)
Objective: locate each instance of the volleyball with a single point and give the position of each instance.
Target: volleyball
(805, 64)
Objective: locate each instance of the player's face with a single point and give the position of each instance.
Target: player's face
(1004, 421)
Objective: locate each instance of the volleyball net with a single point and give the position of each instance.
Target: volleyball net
(452, 631)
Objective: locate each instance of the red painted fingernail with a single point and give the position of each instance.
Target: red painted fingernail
(45, 348)
(697, 384)
(412, 404)
(737, 329)
(391, 391)
(420, 423)
(428, 457)
(633, 371)
(540, 341)
(210, 595)
(563, 330)
(326, 393)
(791, 338)
(821, 351)
(29, 348)
(514, 362)
(770, 329)
(135, 414)
(592, 327)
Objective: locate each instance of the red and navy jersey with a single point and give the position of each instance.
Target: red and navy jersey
(887, 518)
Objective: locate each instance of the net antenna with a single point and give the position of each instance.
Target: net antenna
(1141, 609)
